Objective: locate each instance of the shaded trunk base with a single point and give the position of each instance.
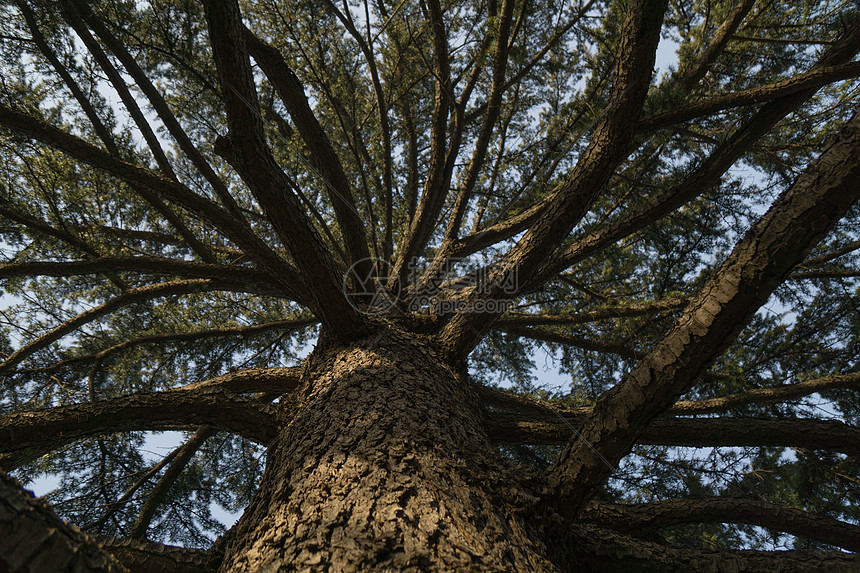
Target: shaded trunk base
(383, 464)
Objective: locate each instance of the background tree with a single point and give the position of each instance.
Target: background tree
(429, 193)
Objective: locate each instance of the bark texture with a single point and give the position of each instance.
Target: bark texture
(33, 538)
(383, 465)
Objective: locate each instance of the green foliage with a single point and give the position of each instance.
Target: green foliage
(54, 208)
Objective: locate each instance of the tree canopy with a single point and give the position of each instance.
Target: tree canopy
(193, 195)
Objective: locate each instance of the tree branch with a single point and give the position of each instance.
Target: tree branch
(252, 158)
(523, 319)
(558, 428)
(194, 335)
(183, 455)
(123, 92)
(815, 78)
(140, 556)
(144, 264)
(827, 257)
(598, 549)
(323, 154)
(115, 506)
(438, 174)
(73, 240)
(708, 174)
(608, 146)
(796, 222)
(772, 394)
(718, 43)
(494, 108)
(33, 538)
(197, 205)
(139, 294)
(27, 435)
(39, 39)
(535, 60)
(570, 340)
(634, 517)
(159, 105)
(382, 108)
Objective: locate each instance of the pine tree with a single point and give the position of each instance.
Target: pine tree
(329, 242)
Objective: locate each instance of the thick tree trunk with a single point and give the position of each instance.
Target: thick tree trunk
(383, 464)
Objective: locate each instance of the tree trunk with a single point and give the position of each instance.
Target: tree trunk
(382, 464)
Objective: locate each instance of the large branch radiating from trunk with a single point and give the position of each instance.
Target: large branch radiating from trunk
(26, 435)
(598, 549)
(130, 103)
(707, 175)
(637, 46)
(129, 297)
(796, 222)
(537, 429)
(246, 149)
(441, 159)
(782, 97)
(323, 154)
(634, 517)
(199, 206)
(382, 108)
(183, 455)
(33, 538)
(140, 556)
(158, 103)
(494, 109)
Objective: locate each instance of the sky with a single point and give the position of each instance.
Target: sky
(159, 444)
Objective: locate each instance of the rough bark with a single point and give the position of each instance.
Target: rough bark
(361, 479)
(147, 557)
(33, 538)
